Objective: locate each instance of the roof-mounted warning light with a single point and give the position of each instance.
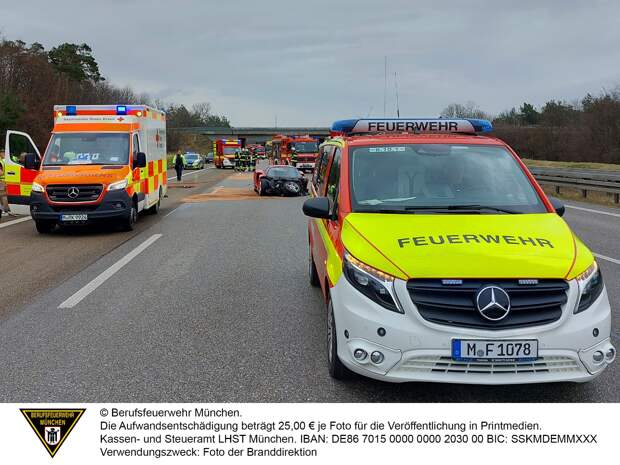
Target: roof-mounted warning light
(121, 109)
(71, 110)
(414, 125)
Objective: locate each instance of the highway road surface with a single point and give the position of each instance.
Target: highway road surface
(208, 302)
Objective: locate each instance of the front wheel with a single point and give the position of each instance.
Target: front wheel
(312, 273)
(336, 369)
(130, 222)
(44, 227)
(262, 188)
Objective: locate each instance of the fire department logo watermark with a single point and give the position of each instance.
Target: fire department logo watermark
(52, 427)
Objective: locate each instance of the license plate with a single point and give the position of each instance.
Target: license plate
(80, 217)
(483, 350)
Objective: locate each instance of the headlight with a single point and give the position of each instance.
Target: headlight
(36, 187)
(374, 284)
(590, 287)
(115, 186)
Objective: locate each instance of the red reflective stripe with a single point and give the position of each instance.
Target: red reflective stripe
(27, 176)
(160, 165)
(145, 186)
(13, 189)
(151, 172)
(156, 182)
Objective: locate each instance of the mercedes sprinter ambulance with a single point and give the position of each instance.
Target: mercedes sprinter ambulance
(103, 163)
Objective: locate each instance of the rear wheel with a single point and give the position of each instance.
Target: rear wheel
(44, 227)
(154, 210)
(336, 369)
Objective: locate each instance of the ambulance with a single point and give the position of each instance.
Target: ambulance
(103, 163)
(441, 259)
(224, 152)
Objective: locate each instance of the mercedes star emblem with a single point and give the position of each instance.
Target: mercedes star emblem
(73, 192)
(493, 303)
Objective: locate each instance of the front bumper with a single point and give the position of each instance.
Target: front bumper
(228, 162)
(418, 350)
(113, 205)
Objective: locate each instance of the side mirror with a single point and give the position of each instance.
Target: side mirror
(140, 161)
(31, 161)
(558, 205)
(317, 207)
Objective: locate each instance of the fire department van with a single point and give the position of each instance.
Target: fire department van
(102, 163)
(304, 147)
(224, 152)
(441, 259)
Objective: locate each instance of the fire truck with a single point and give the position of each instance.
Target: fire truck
(224, 152)
(299, 151)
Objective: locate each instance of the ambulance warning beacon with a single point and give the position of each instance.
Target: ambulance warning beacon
(103, 163)
(441, 259)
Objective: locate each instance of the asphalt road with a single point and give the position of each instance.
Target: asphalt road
(216, 307)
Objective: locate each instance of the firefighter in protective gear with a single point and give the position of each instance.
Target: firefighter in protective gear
(293, 156)
(252, 158)
(244, 160)
(237, 161)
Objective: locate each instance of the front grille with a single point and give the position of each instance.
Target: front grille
(435, 364)
(85, 192)
(531, 304)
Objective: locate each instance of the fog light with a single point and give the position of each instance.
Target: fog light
(598, 356)
(377, 357)
(361, 354)
(610, 354)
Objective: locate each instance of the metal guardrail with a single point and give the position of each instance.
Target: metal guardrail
(584, 180)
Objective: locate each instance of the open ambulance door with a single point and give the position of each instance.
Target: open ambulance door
(17, 178)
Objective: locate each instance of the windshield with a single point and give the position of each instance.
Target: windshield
(306, 147)
(412, 177)
(283, 172)
(191, 156)
(87, 149)
(230, 150)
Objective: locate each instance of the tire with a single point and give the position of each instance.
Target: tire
(262, 189)
(312, 273)
(44, 227)
(154, 210)
(129, 223)
(336, 369)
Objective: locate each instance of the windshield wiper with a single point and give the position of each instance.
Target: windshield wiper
(473, 207)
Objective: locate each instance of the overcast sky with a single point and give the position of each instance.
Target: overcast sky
(311, 62)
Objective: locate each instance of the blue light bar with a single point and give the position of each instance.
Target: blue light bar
(71, 110)
(413, 125)
(121, 109)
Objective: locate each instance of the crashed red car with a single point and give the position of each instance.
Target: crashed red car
(282, 180)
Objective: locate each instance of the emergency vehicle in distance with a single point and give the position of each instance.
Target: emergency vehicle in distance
(103, 163)
(299, 151)
(224, 152)
(441, 259)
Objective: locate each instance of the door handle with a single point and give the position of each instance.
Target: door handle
(11, 172)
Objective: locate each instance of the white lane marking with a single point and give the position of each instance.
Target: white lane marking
(187, 173)
(170, 213)
(11, 223)
(107, 274)
(591, 210)
(605, 257)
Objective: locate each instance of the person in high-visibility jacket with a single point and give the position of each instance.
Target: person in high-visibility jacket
(179, 163)
(4, 201)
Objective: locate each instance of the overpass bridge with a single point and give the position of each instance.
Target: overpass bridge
(253, 135)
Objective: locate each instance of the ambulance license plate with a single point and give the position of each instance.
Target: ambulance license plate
(80, 217)
(483, 350)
